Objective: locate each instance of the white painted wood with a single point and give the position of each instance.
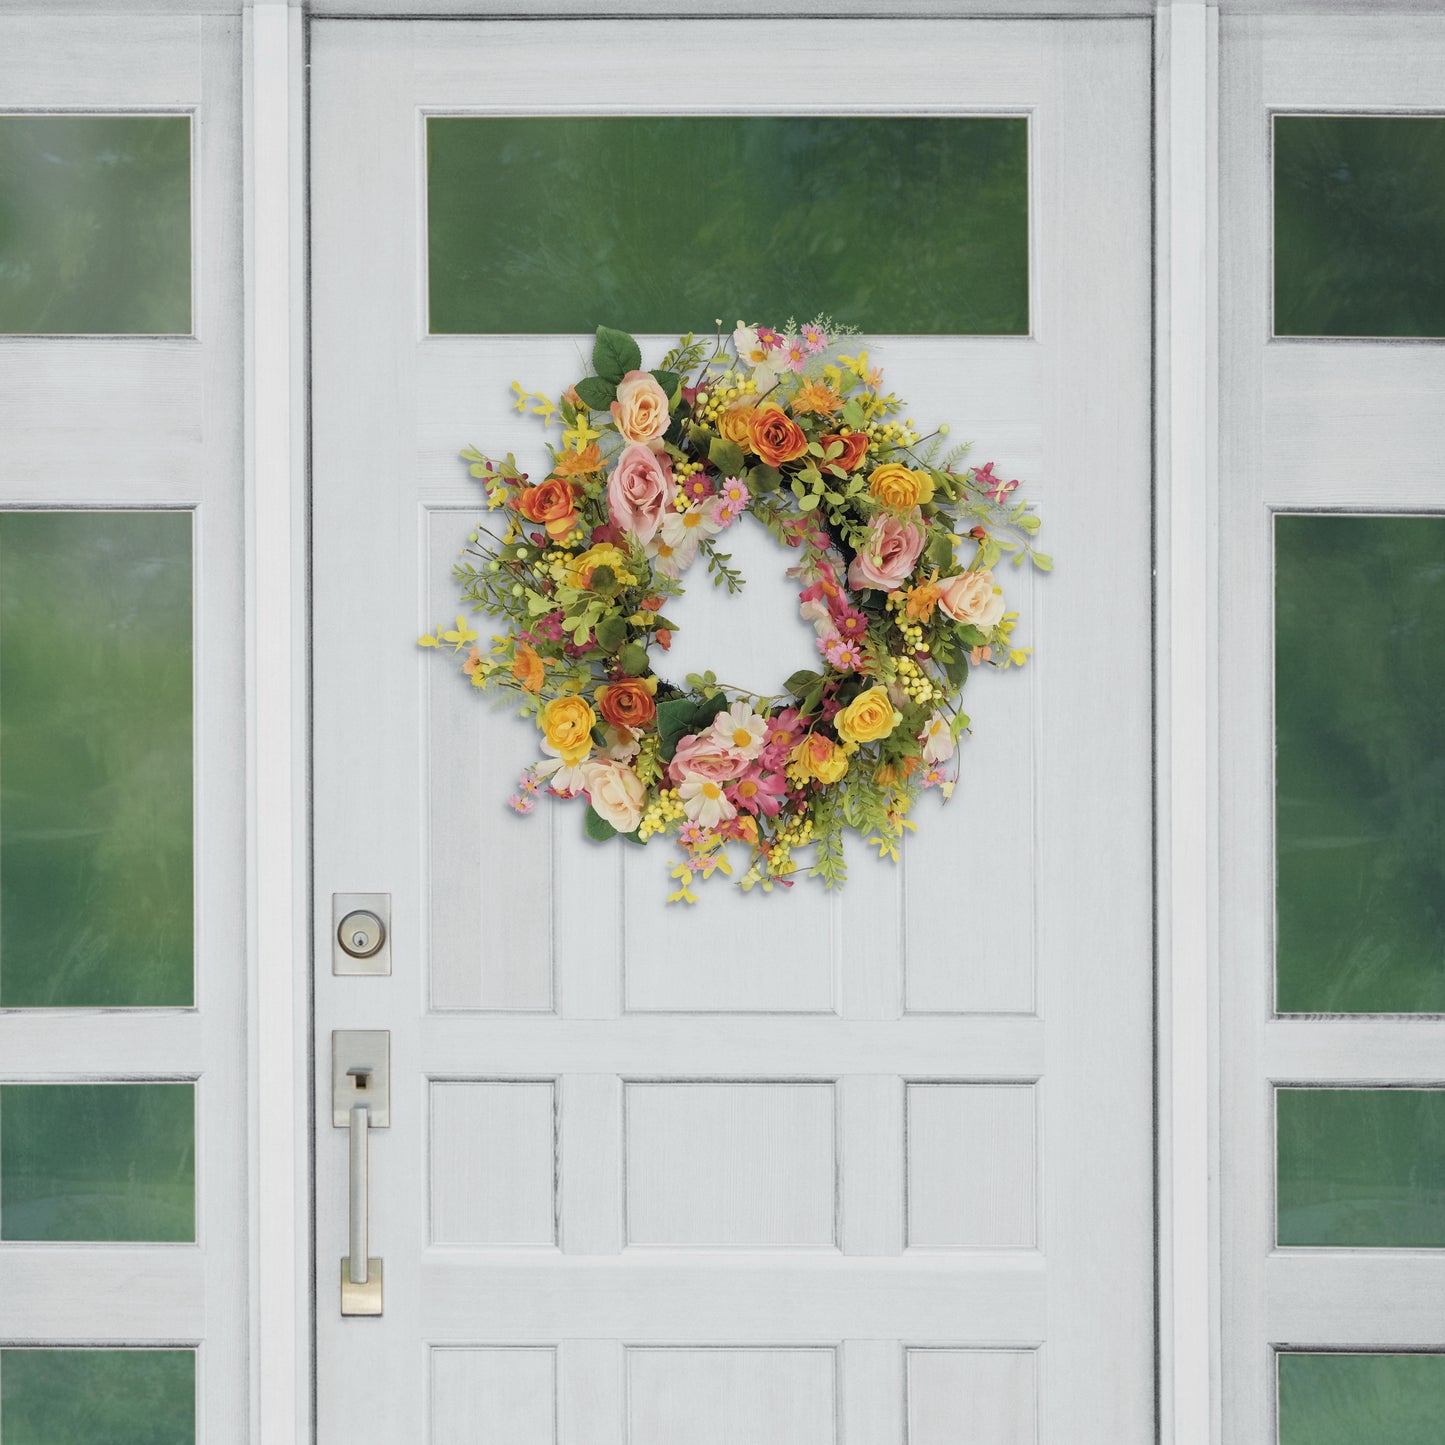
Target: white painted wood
(972, 1166)
(1285, 405)
(1186, 359)
(493, 1396)
(718, 1396)
(122, 422)
(731, 1163)
(523, 952)
(980, 1395)
(493, 1162)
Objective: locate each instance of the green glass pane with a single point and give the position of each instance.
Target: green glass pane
(85, 1397)
(1359, 225)
(1337, 1399)
(98, 1162)
(892, 225)
(1360, 763)
(1361, 1168)
(95, 224)
(95, 759)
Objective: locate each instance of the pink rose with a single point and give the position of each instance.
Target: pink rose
(640, 410)
(640, 491)
(889, 554)
(971, 597)
(701, 755)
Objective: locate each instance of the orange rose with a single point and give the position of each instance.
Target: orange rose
(855, 445)
(554, 503)
(527, 667)
(775, 436)
(628, 704)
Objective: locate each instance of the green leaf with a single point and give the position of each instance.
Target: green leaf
(633, 659)
(853, 416)
(970, 635)
(1042, 561)
(802, 680)
(808, 502)
(596, 392)
(939, 550)
(956, 669)
(763, 479)
(604, 581)
(670, 382)
(615, 354)
(597, 827)
(812, 698)
(679, 716)
(726, 456)
(611, 633)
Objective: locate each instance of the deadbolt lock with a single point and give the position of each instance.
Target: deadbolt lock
(360, 942)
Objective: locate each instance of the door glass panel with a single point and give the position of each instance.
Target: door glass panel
(95, 759)
(557, 224)
(1359, 777)
(1339, 1399)
(95, 224)
(97, 1162)
(1359, 225)
(1361, 1167)
(82, 1397)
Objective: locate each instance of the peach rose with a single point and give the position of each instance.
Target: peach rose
(628, 704)
(640, 490)
(640, 410)
(971, 597)
(701, 755)
(855, 447)
(775, 436)
(553, 503)
(889, 554)
(616, 792)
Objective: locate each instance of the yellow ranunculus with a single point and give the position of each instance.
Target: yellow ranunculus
(733, 423)
(899, 486)
(604, 554)
(867, 718)
(821, 758)
(567, 724)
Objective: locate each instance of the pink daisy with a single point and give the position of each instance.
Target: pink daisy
(933, 777)
(796, 355)
(734, 497)
(814, 338)
(528, 784)
(697, 487)
(759, 792)
(769, 338)
(521, 802)
(844, 655)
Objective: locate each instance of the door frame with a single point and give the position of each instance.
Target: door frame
(278, 692)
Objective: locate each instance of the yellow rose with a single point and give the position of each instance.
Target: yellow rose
(821, 758)
(567, 724)
(733, 423)
(867, 718)
(899, 486)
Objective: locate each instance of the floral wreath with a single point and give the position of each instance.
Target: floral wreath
(653, 468)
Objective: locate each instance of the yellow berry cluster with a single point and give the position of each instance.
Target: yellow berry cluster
(892, 433)
(916, 683)
(719, 394)
(661, 814)
(797, 832)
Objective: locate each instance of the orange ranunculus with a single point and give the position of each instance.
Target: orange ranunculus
(818, 397)
(527, 667)
(628, 704)
(775, 436)
(578, 464)
(855, 444)
(553, 503)
(922, 598)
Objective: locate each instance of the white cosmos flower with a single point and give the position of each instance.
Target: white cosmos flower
(937, 742)
(741, 730)
(705, 802)
(696, 522)
(567, 778)
(671, 559)
(751, 352)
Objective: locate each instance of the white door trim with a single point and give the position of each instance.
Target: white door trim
(1187, 48)
(276, 627)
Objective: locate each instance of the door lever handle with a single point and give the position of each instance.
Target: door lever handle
(360, 1102)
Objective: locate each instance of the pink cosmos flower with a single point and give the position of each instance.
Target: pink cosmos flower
(528, 783)
(814, 339)
(734, 497)
(769, 338)
(784, 734)
(796, 355)
(759, 792)
(844, 655)
(933, 777)
(549, 627)
(850, 622)
(694, 835)
(521, 802)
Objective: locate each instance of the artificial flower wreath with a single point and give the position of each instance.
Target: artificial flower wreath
(653, 468)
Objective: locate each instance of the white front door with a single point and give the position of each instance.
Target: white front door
(790, 1169)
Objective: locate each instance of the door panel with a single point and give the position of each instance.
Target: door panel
(804, 1167)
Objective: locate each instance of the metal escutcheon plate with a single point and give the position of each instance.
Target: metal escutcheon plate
(361, 1299)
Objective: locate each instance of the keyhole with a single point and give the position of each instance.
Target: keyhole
(359, 939)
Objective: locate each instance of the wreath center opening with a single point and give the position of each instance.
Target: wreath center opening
(751, 639)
